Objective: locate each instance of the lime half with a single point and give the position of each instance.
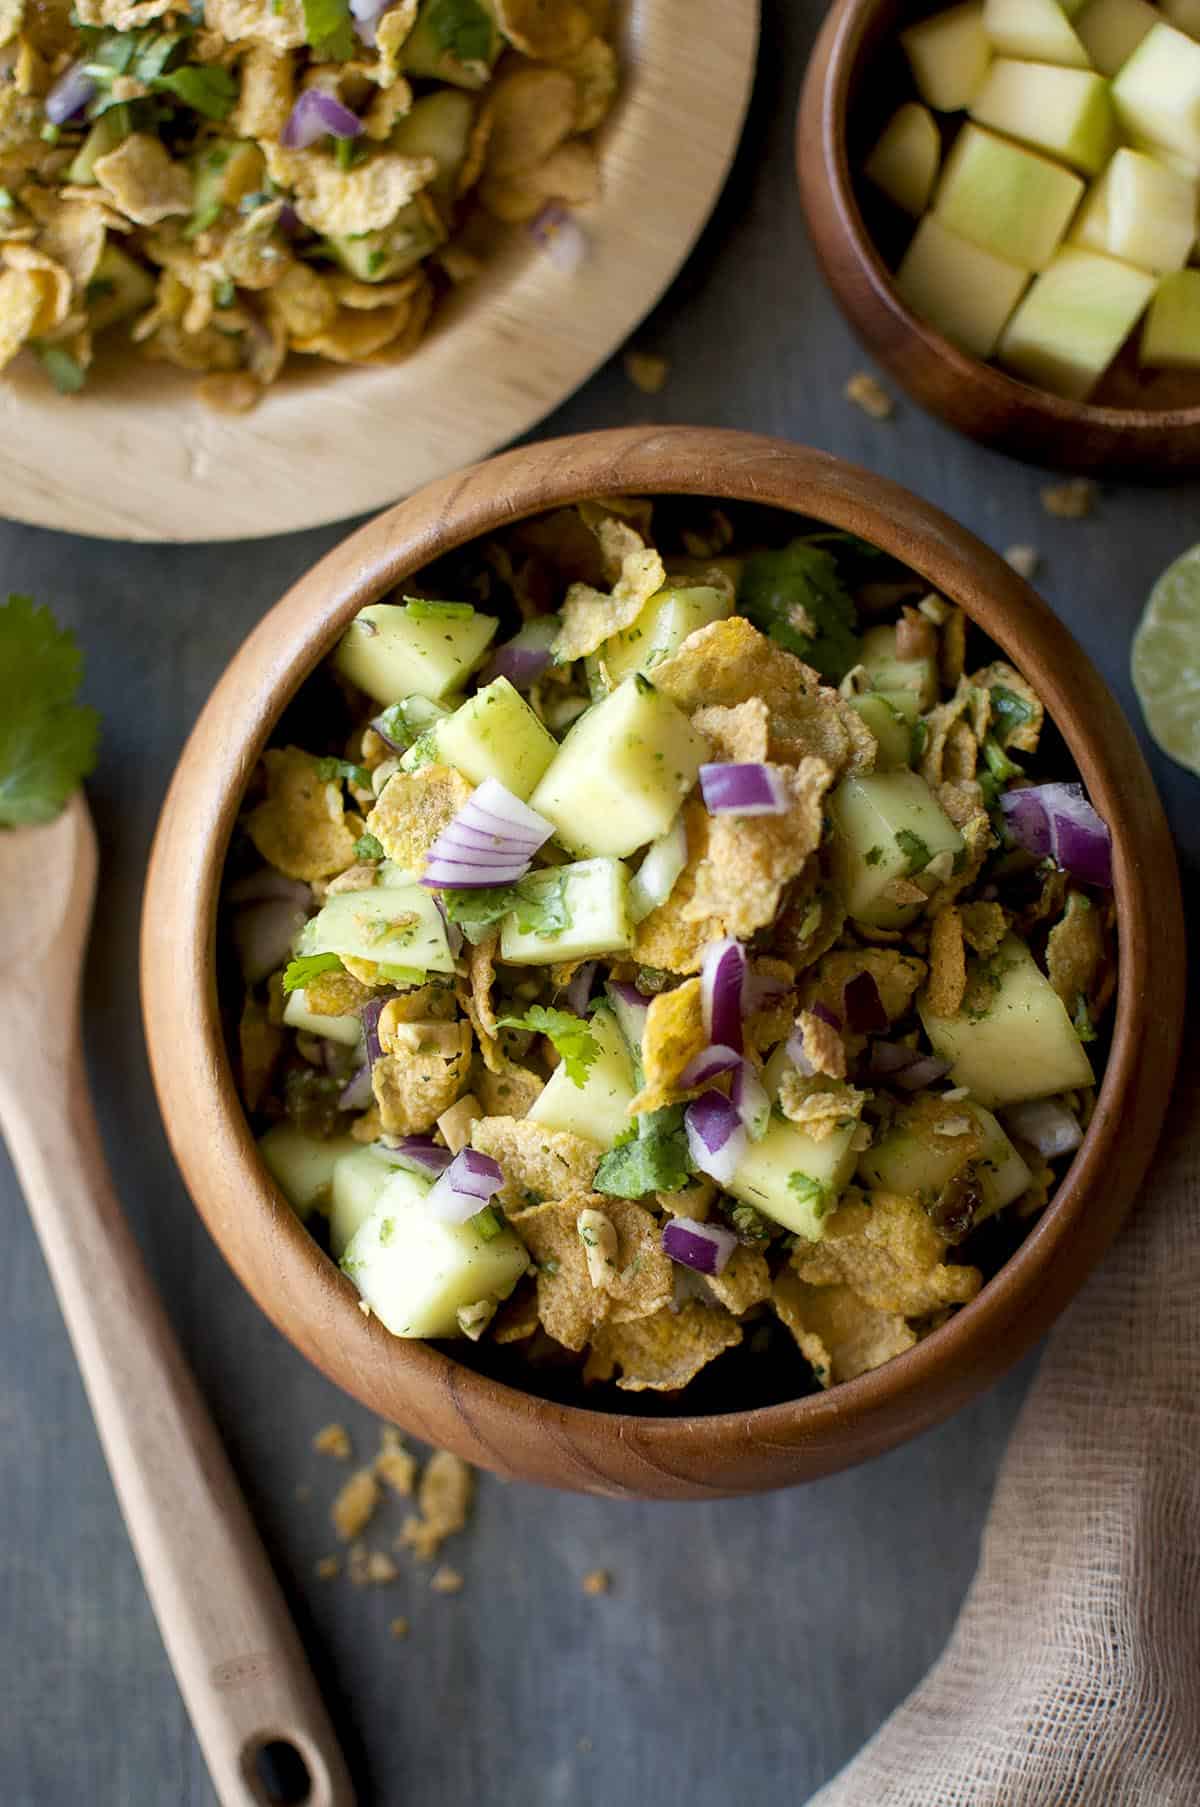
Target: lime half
(1165, 663)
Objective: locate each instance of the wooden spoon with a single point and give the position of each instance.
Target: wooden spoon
(234, 1649)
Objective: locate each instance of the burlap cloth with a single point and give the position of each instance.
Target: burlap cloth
(1072, 1678)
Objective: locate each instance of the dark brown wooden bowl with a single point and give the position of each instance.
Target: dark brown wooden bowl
(1142, 424)
(419, 1385)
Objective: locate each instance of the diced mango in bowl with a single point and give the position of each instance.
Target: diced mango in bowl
(1055, 198)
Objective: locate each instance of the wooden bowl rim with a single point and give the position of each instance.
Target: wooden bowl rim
(825, 98)
(207, 1125)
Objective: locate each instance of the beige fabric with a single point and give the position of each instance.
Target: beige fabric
(1073, 1676)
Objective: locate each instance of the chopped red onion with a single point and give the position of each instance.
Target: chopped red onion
(70, 94)
(265, 884)
(1056, 821)
(827, 1016)
(263, 934)
(921, 1073)
(366, 15)
(524, 658)
(654, 879)
(370, 1013)
(315, 115)
(797, 1056)
(762, 989)
(465, 1187)
(630, 1007)
(356, 1094)
(865, 1014)
(1046, 1125)
(709, 1064)
(416, 1154)
(454, 935)
(746, 789)
(715, 1136)
(706, 1247)
(722, 978)
(491, 841)
(560, 236)
(580, 988)
(749, 1098)
(891, 1057)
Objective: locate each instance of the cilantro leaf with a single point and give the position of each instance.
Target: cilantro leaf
(368, 847)
(652, 1156)
(539, 903)
(329, 30)
(797, 596)
(810, 1192)
(914, 849)
(571, 1036)
(65, 372)
(205, 88)
(331, 771)
(47, 740)
(1009, 711)
(460, 27)
(298, 974)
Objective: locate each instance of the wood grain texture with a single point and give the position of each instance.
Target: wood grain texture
(136, 456)
(1149, 424)
(417, 1385)
(235, 1652)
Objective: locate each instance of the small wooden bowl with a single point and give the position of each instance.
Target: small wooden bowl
(419, 1385)
(1143, 424)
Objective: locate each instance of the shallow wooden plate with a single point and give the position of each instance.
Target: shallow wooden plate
(137, 457)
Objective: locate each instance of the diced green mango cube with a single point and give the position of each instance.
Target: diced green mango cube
(118, 288)
(1171, 335)
(435, 51)
(1036, 29)
(417, 1273)
(918, 1164)
(886, 826)
(948, 54)
(621, 773)
(895, 676)
(357, 1185)
(392, 925)
(891, 728)
(596, 899)
(344, 1029)
(599, 1108)
(1157, 93)
(1009, 200)
(1073, 321)
(1111, 30)
(1140, 211)
(1012, 1039)
(385, 254)
(495, 734)
(438, 125)
(1066, 112)
(962, 291)
(303, 1166)
(659, 631)
(792, 1179)
(392, 652)
(904, 162)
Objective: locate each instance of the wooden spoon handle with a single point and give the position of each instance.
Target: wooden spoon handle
(236, 1654)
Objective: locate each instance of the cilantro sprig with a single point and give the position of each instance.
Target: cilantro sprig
(798, 597)
(48, 741)
(299, 974)
(651, 1156)
(572, 1038)
(329, 29)
(540, 907)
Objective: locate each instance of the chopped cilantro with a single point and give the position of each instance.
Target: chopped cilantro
(368, 847)
(402, 976)
(918, 735)
(572, 1038)
(202, 219)
(486, 1224)
(813, 1193)
(375, 262)
(749, 1224)
(298, 974)
(331, 771)
(329, 29)
(47, 740)
(540, 907)
(419, 608)
(99, 289)
(225, 293)
(65, 372)
(651, 1156)
(797, 596)
(460, 27)
(1009, 711)
(51, 134)
(387, 1230)
(1000, 766)
(872, 858)
(914, 850)
(205, 88)
(348, 152)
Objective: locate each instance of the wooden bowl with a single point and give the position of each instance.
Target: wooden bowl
(420, 1386)
(1142, 424)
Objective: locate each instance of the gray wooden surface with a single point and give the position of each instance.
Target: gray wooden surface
(746, 1648)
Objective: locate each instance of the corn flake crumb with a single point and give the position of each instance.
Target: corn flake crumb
(444, 1497)
(395, 1465)
(333, 1440)
(869, 394)
(446, 1580)
(370, 1568)
(327, 1568)
(1073, 500)
(398, 1628)
(1024, 561)
(646, 371)
(597, 1581)
(355, 1506)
